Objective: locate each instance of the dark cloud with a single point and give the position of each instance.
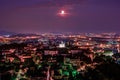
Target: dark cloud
(61, 2)
(41, 2)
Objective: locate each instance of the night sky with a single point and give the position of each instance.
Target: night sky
(36, 16)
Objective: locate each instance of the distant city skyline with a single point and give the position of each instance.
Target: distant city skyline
(35, 16)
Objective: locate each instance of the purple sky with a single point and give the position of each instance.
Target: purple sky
(41, 15)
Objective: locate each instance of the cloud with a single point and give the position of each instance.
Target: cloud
(16, 4)
(56, 3)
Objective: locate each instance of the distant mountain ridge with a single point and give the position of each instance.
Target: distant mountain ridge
(6, 33)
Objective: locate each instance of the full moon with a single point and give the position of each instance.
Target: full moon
(62, 13)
